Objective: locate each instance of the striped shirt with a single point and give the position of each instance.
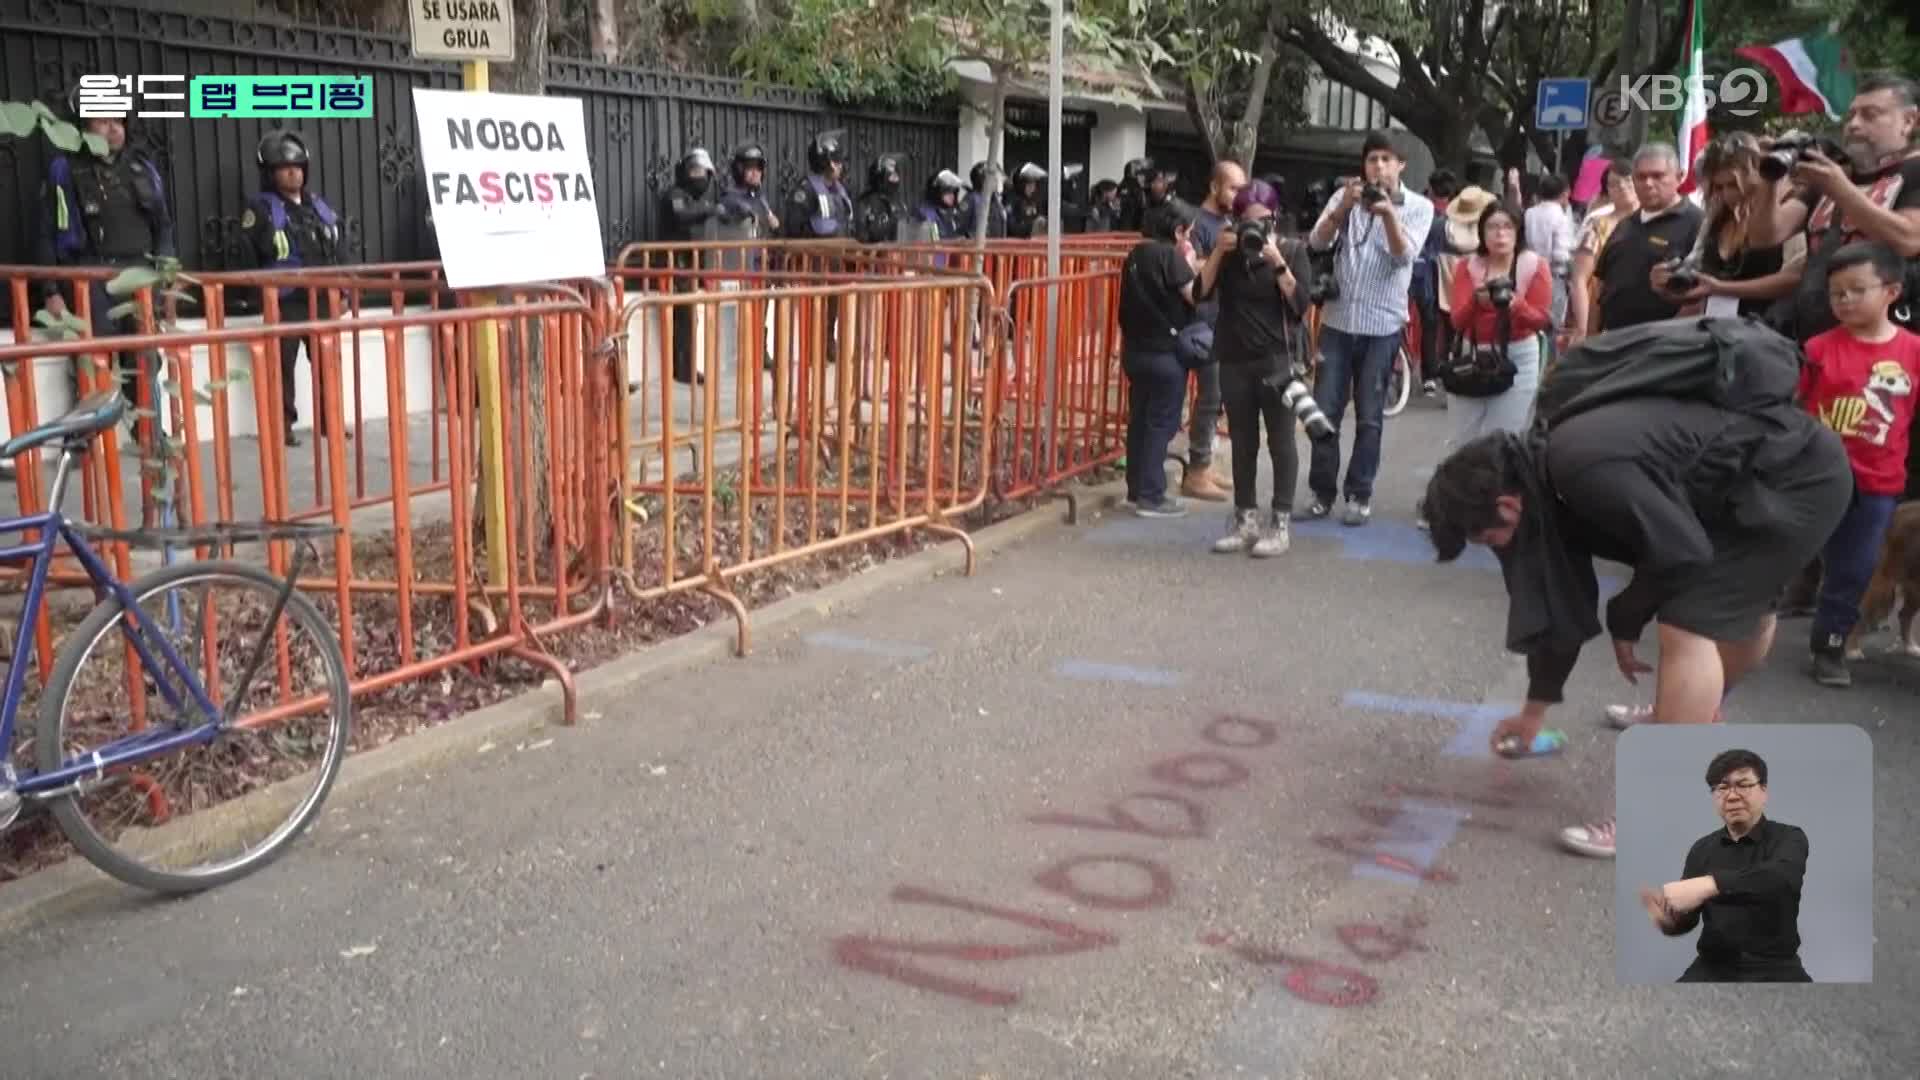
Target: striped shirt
(1373, 280)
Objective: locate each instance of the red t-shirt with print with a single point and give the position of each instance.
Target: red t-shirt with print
(1865, 392)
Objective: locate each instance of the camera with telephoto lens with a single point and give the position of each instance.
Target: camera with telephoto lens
(1251, 238)
(1792, 148)
(1500, 292)
(1295, 395)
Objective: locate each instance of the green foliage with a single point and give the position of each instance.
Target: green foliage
(867, 52)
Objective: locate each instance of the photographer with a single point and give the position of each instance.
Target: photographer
(1373, 231)
(1156, 304)
(1502, 300)
(1727, 274)
(1262, 300)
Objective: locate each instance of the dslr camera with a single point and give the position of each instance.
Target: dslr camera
(1500, 291)
(1792, 148)
(1682, 275)
(1295, 395)
(1251, 238)
(1372, 195)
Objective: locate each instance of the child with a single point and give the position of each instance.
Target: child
(1860, 379)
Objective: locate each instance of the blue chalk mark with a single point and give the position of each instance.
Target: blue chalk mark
(893, 650)
(1437, 824)
(1093, 671)
(1476, 721)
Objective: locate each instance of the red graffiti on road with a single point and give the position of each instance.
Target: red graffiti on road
(1132, 883)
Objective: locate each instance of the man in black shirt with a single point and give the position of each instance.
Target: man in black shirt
(1715, 508)
(1665, 228)
(1740, 883)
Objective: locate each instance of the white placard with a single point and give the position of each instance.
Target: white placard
(510, 187)
(462, 29)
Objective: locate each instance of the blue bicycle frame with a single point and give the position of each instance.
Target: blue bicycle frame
(54, 527)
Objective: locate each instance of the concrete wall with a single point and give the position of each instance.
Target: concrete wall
(1119, 136)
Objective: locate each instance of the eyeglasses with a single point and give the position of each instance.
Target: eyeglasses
(1722, 790)
(1848, 296)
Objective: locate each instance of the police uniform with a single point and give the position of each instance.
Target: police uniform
(935, 209)
(286, 232)
(103, 212)
(978, 200)
(744, 201)
(819, 208)
(1025, 207)
(687, 209)
(880, 215)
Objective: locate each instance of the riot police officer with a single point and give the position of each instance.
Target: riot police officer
(1133, 184)
(978, 201)
(743, 200)
(880, 214)
(940, 206)
(102, 211)
(1028, 203)
(1105, 212)
(819, 207)
(288, 226)
(689, 205)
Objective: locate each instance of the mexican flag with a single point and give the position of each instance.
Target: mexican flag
(1813, 72)
(1693, 122)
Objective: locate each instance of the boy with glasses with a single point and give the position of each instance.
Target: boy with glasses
(1860, 379)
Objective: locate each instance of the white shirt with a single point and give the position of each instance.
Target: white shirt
(1550, 233)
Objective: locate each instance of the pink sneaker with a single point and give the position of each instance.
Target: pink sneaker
(1594, 839)
(1623, 717)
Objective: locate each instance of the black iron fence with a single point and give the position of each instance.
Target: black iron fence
(638, 123)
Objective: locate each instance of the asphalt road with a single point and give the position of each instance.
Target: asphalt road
(1113, 808)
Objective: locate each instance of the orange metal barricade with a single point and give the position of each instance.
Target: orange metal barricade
(829, 415)
(1088, 398)
(399, 547)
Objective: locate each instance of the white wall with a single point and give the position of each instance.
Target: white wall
(1119, 136)
(973, 145)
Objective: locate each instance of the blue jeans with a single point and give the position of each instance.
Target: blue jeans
(1356, 365)
(1156, 388)
(1851, 554)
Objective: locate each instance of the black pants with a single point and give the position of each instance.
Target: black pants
(1703, 970)
(126, 365)
(1435, 337)
(683, 334)
(1156, 384)
(1248, 402)
(294, 308)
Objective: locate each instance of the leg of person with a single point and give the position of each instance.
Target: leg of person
(1239, 393)
(1512, 411)
(293, 308)
(682, 338)
(1851, 554)
(1432, 325)
(1136, 422)
(1373, 366)
(1332, 386)
(1166, 384)
(1200, 481)
(1276, 537)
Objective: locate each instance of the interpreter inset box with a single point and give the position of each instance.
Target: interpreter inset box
(1745, 854)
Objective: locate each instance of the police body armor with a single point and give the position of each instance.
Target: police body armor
(91, 228)
(293, 246)
(828, 212)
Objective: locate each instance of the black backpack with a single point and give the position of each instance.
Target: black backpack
(1740, 364)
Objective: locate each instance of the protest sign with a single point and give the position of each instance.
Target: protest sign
(510, 187)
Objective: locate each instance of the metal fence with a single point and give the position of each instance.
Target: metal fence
(639, 122)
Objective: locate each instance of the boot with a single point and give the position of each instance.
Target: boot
(1274, 540)
(1243, 532)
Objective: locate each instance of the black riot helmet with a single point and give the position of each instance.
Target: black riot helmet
(748, 156)
(943, 183)
(1137, 172)
(979, 174)
(280, 148)
(884, 173)
(827, 148)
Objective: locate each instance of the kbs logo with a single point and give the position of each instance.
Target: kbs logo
(1740, 92)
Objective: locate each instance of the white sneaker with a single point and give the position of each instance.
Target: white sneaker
(1275, 539)
(1243, 529)
(1623, 717)
(1594, 839)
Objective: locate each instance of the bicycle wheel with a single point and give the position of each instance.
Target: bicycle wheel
(209, 794)
(1399, 382)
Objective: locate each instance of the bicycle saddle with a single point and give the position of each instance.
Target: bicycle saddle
(90, 417)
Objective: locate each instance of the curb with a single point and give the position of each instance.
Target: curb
(71, 883)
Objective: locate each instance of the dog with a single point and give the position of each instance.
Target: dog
(1898, 572)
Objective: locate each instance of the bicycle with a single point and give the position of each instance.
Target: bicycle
(1401, 378)
(122, 769)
